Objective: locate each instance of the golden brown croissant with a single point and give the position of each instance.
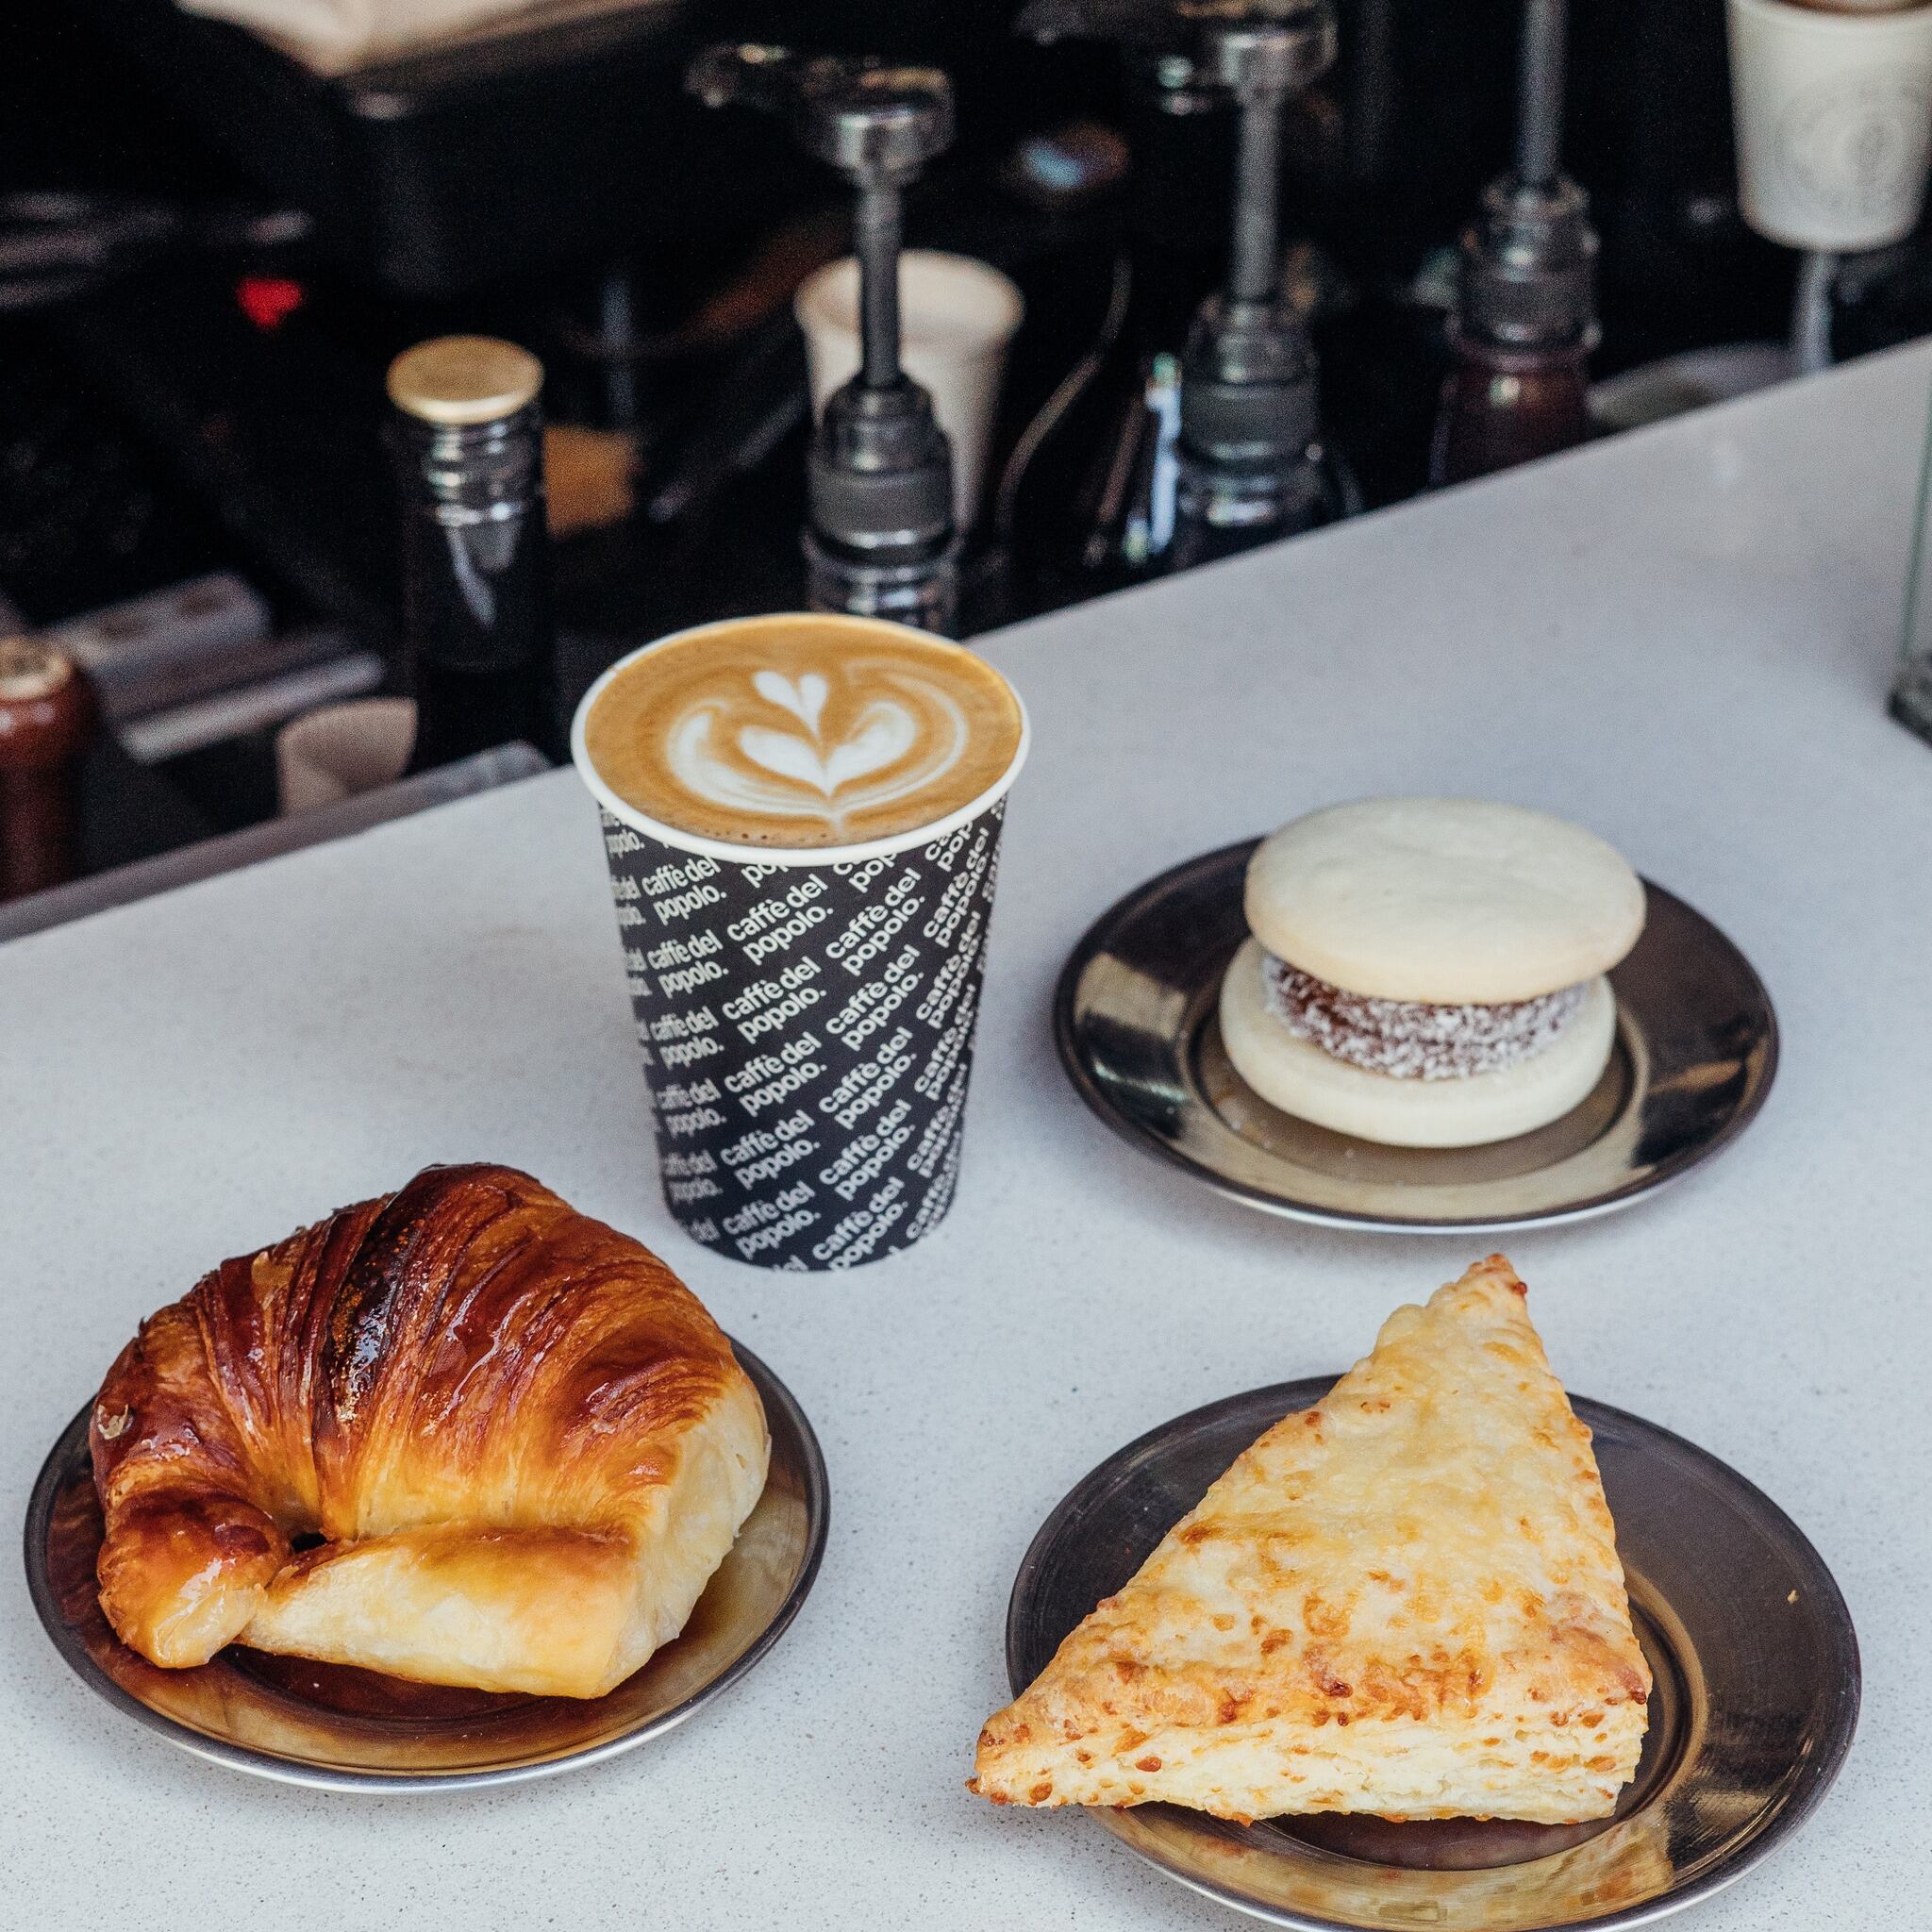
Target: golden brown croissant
(524, 1443)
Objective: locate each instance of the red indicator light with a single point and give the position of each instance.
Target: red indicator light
(268, 301)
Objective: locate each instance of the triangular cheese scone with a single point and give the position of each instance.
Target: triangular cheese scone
(1406, 1600)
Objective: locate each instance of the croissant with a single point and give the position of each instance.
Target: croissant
(463, 1434)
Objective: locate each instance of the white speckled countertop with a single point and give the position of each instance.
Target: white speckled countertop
(1682, 638)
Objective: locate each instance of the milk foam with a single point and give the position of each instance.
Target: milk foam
(803, 732)
(751, 768)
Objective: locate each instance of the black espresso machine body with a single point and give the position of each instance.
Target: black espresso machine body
(553, 136)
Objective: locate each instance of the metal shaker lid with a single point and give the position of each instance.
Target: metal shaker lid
(31, 669)
(48, 711)
(464, 381)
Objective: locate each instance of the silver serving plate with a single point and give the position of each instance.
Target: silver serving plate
(1756, 1699)
(343, 1730)
(1135, 1020)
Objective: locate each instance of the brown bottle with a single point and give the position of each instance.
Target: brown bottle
(47, 718)
(1523, 329)
(1504, 406)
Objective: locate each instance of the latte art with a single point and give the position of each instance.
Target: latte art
(894, 747)
(802, 731)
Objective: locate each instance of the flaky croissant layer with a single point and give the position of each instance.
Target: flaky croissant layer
(524, 1444)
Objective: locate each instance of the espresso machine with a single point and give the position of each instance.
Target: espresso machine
(878, 537)
(1234, 222)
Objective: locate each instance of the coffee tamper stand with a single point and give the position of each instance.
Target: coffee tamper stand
(1526, 314)
(879, 539)
(1251, 466)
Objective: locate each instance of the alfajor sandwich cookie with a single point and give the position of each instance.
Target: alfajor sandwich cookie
(1429, 971)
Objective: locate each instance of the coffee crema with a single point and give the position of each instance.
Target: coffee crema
(805, 731)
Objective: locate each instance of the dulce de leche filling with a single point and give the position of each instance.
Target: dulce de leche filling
(1411, 1040)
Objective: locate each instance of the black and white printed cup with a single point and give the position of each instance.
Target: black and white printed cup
(805, 1018)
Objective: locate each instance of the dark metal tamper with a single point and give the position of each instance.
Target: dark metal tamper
(1250, 407)
(879, 537)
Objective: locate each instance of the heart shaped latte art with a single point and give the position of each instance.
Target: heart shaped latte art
(774, 753)
(885, 733)
(804, 699)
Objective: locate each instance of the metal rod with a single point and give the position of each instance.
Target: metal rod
(1811, 312)
(876, 232)
(1539, 103)
(1255, 270)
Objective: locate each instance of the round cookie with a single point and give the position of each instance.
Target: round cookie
(1456, 901)
(1297, 1076)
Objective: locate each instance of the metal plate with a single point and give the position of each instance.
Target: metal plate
(1756, 1697)
(345, 1729)
(1135, 1018)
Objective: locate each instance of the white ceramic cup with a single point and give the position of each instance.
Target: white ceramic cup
(340, 750)
(957, 315)
(1834, 120)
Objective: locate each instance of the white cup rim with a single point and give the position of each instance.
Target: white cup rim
(856, 852)
(1853, 23)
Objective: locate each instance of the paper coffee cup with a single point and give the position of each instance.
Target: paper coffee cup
(1833, 113)
(956, 317)
(341, 751)
(806, 1018)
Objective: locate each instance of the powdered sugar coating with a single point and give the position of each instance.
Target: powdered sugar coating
(1410, 1040)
